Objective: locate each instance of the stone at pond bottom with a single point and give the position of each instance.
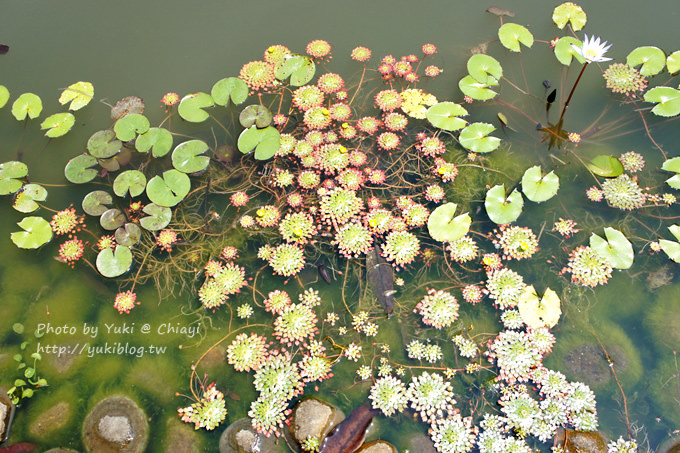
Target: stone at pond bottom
(671, 445)
(6, 408)
(314, 418)
(581, 441)
(378, 446)
(115, 428)
(660, 277)
(421, 443)
(116, 424)
(60, 450)
(53, 419)
(240, 437)
(181, 437)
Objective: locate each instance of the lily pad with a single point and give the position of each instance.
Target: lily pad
(28, 104)
(159, 217)
(672, 248)
(502, 209)
(132, 181)
(672, 63)
(476, 139)
(128, 235)
(95, 203)
(10, 172)
(156, 139)
(112, 218)
(113, 264)
(299, 68)
(538, 187)
(126, 106)
(186, 156)
(25, 200)
(191, 107)
(476, 90)
(668, 100)
(130, 125)
(4, 95)
(605, 166)
(674, 166)
(511, 35)
(539, 312)
(37, 232)
(485, 69)
(652, 59)
(564, 50)
(78, 170)
(79, 94)
(569, 12)
(444, 115)
(229, 88)
(58, 124)
(256, 114)
(170, 189)
(616, 249)
(266, 142)
(444, 227)
(102, 144)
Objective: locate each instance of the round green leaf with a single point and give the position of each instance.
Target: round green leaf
(112, 264)
(605, 166)
(79, 94)
(191, 107)
(671, 248)
(28, 104)
(564, 50)
(25, 200)
(672, 63)
(229, 88)
(102, 144)
(444, 227)
(539, 312)
(511, 35)
(128, 235)
(159, 217)
(569, 12)
(112, 219)
(170, 189)
(668, 100)
(652, 59)
(130, 125)
(444, 115)
(476, 90)
(133, 181)
(485, 69)
(617, 250)
(4, 95)
(256, 114)
(78, 170)
(304, 73)
(186, 156)
(538, 187)
(266, 142)
(674, 181)
(95, 203)
(58, 124)
(672, 165)
(248, 139)
(475, 138)
(156, 139)
(502, 209)
(37, 232)
(300, 68)
(9, 174)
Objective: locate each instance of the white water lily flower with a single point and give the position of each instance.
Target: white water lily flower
(592, 50)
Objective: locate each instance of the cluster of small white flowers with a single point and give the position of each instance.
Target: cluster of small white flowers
(418, 350)
(543, 339)
(310, 297)
(551, 383)
(493, 438)
(504, 286)
(521, 410)
(433, 353)
(580, 401)
(389, 395)
(515, 355)
(431, 396)
(353, 352)
(454, 434)
(384, 369)
(622, 446)
(466, 348)
(364, 372)
(512, 319)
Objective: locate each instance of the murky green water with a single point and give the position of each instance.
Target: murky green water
(150, 48)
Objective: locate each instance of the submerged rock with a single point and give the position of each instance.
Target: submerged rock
(115, 424)
(6, 412)
(581, 441)
(421, 443)
(240, 437)
(53, 419)
(314, 418)
(660, 277)
(671, 445)
(181, 437)
(378, 446)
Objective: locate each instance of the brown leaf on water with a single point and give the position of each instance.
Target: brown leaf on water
(4, 48)
(130, 104)
(480, 48)
(499, 11)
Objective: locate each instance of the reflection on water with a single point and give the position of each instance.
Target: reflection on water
(619, 339)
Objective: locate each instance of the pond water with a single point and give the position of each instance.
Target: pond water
(619, 338)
